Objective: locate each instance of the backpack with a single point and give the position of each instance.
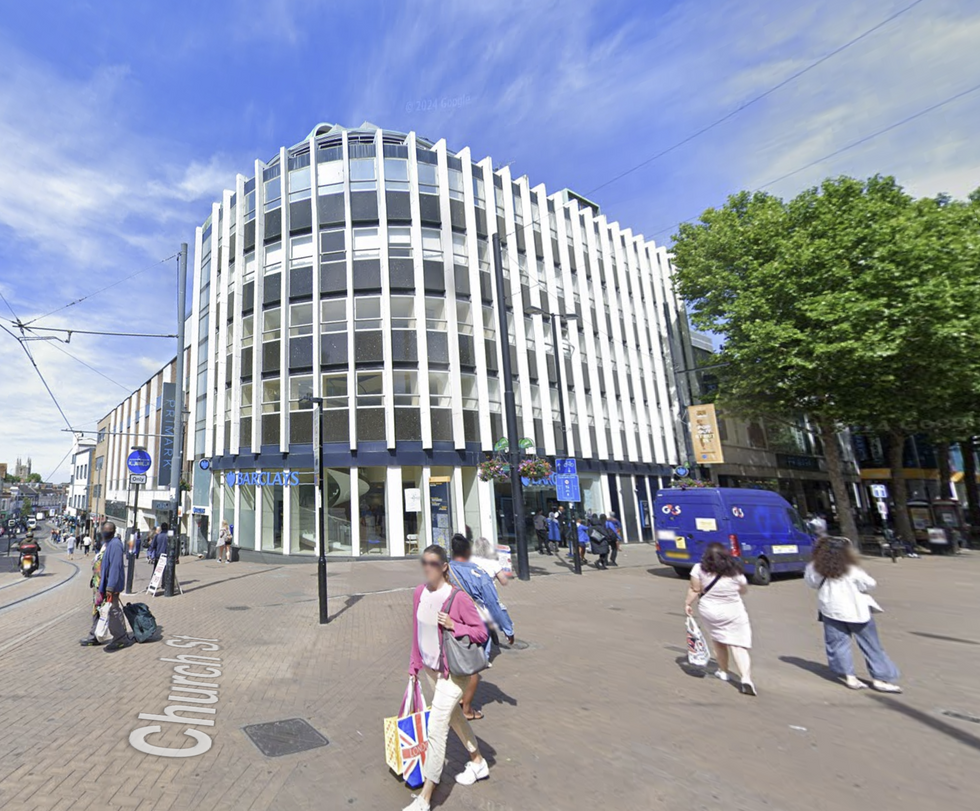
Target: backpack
(141, 619)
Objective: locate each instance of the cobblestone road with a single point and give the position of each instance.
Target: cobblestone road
(597, 711)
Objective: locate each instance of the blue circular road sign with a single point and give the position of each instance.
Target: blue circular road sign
(680, 471)
(139, 462)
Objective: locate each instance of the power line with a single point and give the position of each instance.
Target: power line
(58, 467)
(88, 366)
(2, 296)
(843, 149)
(30, 357)
(97, 292)
(758, 98)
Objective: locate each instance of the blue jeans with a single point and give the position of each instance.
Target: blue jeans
(837, 639)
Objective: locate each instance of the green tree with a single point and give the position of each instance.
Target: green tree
(843, 303)
(26, 507)
(34, 478)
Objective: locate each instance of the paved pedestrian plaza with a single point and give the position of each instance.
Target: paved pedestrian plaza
(594, 708)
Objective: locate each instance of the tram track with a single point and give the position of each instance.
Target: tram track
(76, 569)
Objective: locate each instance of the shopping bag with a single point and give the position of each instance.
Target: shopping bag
(102, 632)
(697, 648)
(406, 736)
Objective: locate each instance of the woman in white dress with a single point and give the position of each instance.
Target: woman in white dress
(717, 585)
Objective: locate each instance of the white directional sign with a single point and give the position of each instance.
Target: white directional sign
(879, 491)
(137, 478)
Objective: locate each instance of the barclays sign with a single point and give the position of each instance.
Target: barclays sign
(268, 478)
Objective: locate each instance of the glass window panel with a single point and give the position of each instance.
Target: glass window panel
(330, 177)
(333, 315)
(300, 320)
(247, 330)
(479, 193)
(370, 389)
(373, 507)
(435, 314)
(246, 392)
(271, 324)
(440, 392)
(249, 272)
(301, 250)
(403, 312)
(367, 313)
(428, 179)
(271, 396)
(400, 241)
(464, 318)
(273, 194)
(299, 184)
(302, 513)
(363, 174)
(335, 390)
(299, 387)
(406, 388)
(455, 184)
(396, 174)
(273, 257)
(366, 243)
(431, 243)
(460, 255)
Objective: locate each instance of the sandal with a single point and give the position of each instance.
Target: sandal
(476, 716)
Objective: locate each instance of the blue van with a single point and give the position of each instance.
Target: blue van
(759, 526)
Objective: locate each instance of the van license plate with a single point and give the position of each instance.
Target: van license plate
(786, 549)
(681, 555)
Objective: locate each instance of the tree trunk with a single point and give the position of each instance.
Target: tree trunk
(968, 448)
(900, 493)
(942, 462)
(835, 472)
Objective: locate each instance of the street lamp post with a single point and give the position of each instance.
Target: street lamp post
(316, 403)
(510, 409)
(559, 362)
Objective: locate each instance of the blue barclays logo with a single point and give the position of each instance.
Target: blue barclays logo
(283, 478)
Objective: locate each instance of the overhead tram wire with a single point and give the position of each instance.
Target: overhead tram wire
(504, 237)
(908, 119)
(30, 357)
(61, 349)
(102, 290)
(71, 332)
(58, 467)
(758, 98)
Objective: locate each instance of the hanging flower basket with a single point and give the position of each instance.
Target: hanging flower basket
(535, 468)
(687, 483)
(493, 470)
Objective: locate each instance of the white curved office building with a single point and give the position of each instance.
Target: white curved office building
(356, 265)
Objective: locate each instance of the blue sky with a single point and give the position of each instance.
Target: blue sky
(119, 123)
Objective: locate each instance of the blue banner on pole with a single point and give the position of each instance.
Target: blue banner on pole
(568, 488)
(168, 416)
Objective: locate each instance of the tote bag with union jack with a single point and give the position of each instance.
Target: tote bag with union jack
(406, 736)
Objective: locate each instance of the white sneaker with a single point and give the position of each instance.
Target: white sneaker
(721, 674)
(473, 772)
(418, 804)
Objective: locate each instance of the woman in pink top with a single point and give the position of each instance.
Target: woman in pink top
(429, 621)
(717, 585)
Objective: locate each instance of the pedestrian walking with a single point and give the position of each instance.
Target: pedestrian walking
(158, 546)
(112, 582)
(70, 544)
(616, 530)
(599, 542)
(86, 544)
(429, 620)
(582, 537)
(845, 609)
(467, 575)
(717, 585)
(554, 532)
(541, 531)
(96, 578)
(485, 556)
(224, 543)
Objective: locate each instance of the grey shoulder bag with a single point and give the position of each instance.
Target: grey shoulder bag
(463, 656)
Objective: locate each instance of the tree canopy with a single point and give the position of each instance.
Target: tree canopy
(852, 302)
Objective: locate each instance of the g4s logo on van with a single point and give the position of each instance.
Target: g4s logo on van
(737, 512)
(671, 509)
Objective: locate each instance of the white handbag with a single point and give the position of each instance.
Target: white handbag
(697, 649)
(102, 632)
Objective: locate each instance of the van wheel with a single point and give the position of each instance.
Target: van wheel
(682, 572)
(762, 575)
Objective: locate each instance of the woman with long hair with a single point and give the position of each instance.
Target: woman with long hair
(846, 606)
(430, 618)
(717, 585)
